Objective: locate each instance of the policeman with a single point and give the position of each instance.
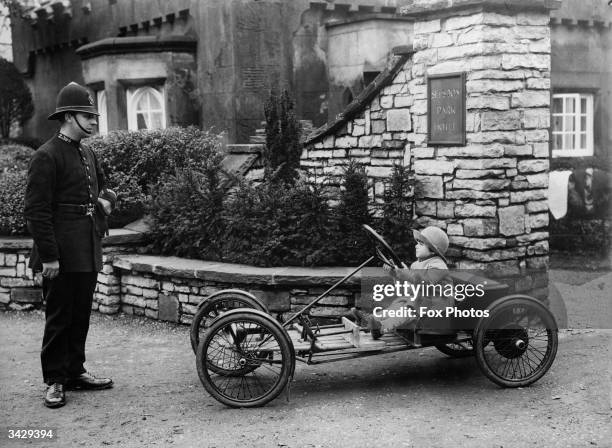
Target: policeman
(66, 204)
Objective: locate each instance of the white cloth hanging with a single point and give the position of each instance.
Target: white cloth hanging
(557, 193)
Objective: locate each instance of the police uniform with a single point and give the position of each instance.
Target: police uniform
(66, 223)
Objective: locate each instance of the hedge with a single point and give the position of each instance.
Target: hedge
(135, 161)
(12, 196)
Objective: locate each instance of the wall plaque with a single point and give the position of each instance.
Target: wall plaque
(446, 109)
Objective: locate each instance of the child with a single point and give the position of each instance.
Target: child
(432, 244)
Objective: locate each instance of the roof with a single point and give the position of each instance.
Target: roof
(400, 56)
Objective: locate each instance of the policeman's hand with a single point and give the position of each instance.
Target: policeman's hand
(106, 206)
(51, 269)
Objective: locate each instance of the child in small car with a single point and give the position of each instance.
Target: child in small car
(432, 244)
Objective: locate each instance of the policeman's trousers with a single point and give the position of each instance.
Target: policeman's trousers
(69, 297)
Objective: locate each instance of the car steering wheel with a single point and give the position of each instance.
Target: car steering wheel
(383, 250)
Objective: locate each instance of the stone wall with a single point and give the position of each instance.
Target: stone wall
(377, 136)
(170, 288)
(21, 290)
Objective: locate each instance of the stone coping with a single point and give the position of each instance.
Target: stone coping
(117, 237)
(400, 55)
(421, 7)
(238, 273)
(137, 44)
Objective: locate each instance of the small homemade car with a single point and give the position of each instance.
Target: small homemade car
(245, 357)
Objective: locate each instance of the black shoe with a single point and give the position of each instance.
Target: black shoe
(86, 381)
(375, 327)
(359, 316)
(55, 397)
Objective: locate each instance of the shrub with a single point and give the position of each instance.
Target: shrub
(16, 106)
(135, 161)
(14, 157)
(397, 213)
(353, 211)
(185, 210)
(12, 195)
(268, 226)
(283, 149)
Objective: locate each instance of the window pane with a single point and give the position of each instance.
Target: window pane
(558, 141)
(557, 123)
(557, 105)
(569, 105)
(156, 120)
(569, 141)
(568, 124)
(143, 102)
(583, 105)
(583, 122)
(583, 140)
(141, 120)
(155, 104)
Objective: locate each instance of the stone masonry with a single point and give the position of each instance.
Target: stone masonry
(170, 288)
(490, 195)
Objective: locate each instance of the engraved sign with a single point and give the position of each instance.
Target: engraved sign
(446, 109)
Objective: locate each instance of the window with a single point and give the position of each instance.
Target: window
(572, 125)
(103, 118)
(145, 108)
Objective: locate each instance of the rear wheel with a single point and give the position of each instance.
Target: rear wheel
(517, 343)
(250, 342)
(216, 305)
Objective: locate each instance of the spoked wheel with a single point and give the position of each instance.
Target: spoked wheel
(457, 350)
(216, 305)
(517, 343)
(384, 252)
(250, 342)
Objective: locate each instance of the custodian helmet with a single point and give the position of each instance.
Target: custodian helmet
(73, 98)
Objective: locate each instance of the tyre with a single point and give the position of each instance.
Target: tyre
(217, 304)
(517, 343)
(455, 350)
(252, 342)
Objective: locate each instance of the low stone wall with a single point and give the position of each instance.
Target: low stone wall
(21, 290)
(170, 288)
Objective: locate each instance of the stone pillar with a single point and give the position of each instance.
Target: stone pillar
(491, 194)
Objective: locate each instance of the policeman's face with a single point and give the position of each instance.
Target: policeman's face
(83, 123)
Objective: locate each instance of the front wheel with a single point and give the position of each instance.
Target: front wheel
(517, 343)
(253, 343)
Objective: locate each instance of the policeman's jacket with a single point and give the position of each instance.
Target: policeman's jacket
(64, 180)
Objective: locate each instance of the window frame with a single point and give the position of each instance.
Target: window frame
(133, 96)
(101, 102)
(589, 130)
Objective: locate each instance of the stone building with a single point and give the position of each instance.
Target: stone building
(489, 189)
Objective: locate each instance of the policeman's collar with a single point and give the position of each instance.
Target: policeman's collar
(67, 139)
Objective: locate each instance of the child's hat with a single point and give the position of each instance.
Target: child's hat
(434, 238)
